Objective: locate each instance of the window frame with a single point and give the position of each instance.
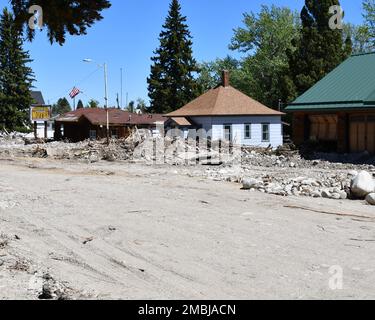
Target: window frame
(230, 132)
(247, 125)
(91, 134)
(115, 133)
(268, 125)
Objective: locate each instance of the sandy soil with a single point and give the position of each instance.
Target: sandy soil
(128, 231)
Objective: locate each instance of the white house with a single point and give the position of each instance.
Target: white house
(225, 113)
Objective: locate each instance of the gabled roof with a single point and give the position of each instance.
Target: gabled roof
(37, 97)
(97, 116)
(224, 101)
(350, 86)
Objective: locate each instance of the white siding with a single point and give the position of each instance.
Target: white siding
(215, 128)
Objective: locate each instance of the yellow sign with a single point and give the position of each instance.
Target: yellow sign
(40, 113)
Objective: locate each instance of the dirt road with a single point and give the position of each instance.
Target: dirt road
(126, 231)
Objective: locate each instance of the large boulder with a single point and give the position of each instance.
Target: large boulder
(371, 199)
(249, 183)
(362, 185)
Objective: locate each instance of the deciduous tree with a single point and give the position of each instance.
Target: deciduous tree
(62, 106)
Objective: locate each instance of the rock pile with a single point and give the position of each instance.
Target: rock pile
(339, 187)
(287, 173)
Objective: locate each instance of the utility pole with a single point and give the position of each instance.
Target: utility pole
(106, 98)
(105, 67)
(121, 90)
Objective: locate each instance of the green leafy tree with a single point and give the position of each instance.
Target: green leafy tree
(80, 105)
(61, 107)
(360, 37)
(319, 49)
(369, 16)
(171, 83)
(265, 38)
(60, 17)
(93, 104)
(211, 73)
(16, 76)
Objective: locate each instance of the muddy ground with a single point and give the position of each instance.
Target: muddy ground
(130, 231)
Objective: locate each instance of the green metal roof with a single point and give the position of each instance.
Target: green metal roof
(350, 86)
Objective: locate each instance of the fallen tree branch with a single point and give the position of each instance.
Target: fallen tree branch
(330, 213)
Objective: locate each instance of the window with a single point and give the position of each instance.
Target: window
(265, 132)
(247, 131)
(92, 134)
(114, 134)
(228, 132)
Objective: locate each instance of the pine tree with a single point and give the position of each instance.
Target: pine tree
(172, 83)
(15, 76)
(319, 49)
(80, 105)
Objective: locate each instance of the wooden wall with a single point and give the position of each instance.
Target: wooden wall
(80, 131)
(353, 131)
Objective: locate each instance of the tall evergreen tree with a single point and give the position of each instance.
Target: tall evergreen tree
(172, 83)
(80, 105)
(319, 49)
(15, 76)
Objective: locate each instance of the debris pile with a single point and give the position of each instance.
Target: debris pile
(91, 151)
(281, 172)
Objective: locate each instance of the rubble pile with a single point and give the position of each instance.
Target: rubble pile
(281, 158)
(281, 172)
(91, 151)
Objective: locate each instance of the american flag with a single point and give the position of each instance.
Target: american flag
(75, 92)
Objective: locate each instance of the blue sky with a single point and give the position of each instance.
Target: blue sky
(127, 37)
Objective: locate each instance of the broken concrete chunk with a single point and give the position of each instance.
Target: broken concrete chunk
(249, 183)
(326, 194)
(371, 199)
(362, 185)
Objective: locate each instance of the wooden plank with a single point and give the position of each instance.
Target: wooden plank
(371, 137)
(353, 137)
(361, 136)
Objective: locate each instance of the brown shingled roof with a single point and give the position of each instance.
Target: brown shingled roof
(181, 121)
(224, 101)
(98, 116)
